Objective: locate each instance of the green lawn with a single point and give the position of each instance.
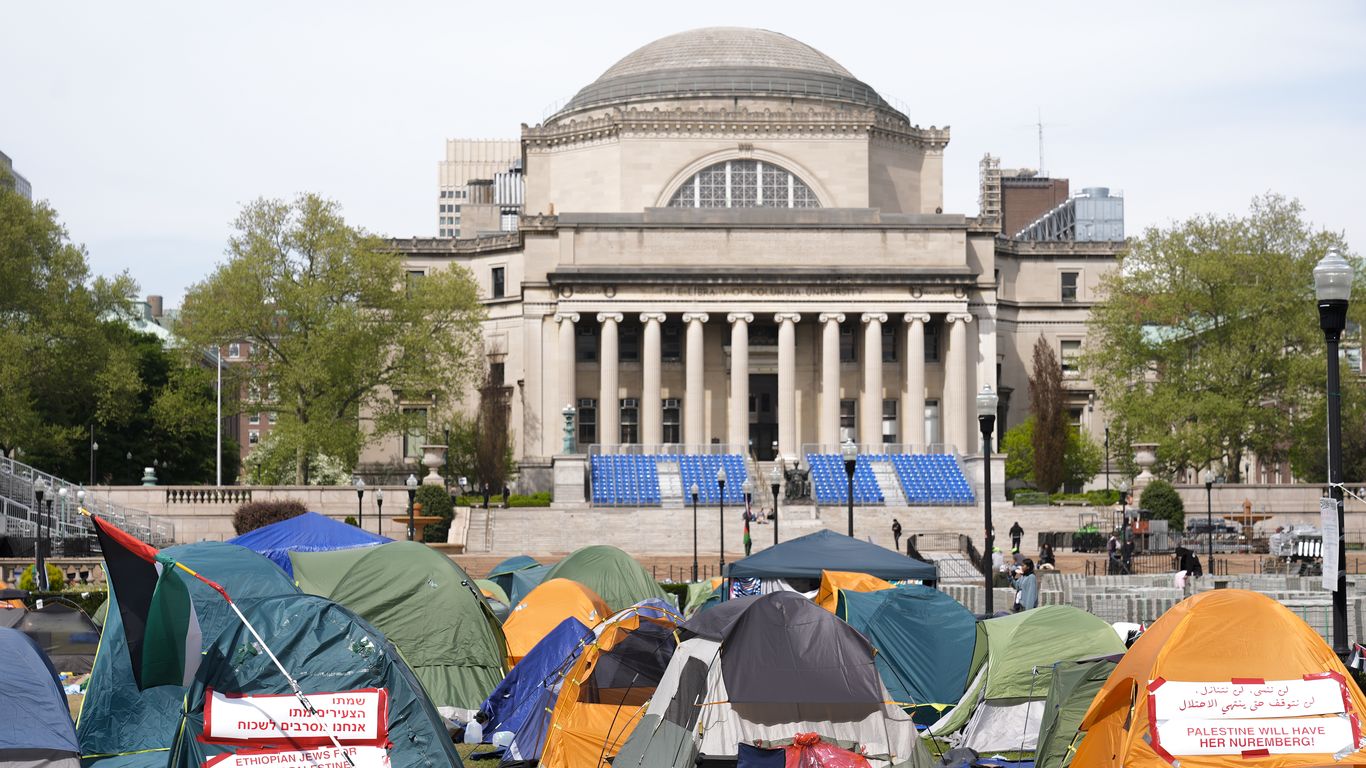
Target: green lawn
(466, 749)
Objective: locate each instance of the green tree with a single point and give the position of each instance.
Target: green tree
(1164, 502)
(481, 446)
(1050, 420)
(337, 327)
(1206, 340)
(1082, 457)
(1308, 451)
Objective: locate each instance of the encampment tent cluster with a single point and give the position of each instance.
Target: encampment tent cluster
(398, 653)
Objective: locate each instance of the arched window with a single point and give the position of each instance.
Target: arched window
(744, 184)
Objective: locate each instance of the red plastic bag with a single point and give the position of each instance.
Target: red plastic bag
(808, 751)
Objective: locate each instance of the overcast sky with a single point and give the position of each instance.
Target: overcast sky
(147, 125)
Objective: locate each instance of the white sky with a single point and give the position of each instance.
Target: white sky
(148, 124)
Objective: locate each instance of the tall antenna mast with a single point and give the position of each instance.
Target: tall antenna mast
(1039, 124)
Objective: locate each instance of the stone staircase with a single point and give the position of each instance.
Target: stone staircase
(671, 491)
(887, 480)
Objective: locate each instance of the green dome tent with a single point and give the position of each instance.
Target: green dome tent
(1075, 684)
(427, 606)
(614, 575)
(122, 727)
(327, 649)
(1003, 706)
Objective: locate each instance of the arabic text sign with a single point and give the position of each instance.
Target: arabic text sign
(349, 716)
(1314, 735)
(323, 757)
(1228, 701)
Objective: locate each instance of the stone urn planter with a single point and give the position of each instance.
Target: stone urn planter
(434, 458)
(1145, 456)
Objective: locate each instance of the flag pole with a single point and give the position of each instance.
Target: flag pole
(293, 684)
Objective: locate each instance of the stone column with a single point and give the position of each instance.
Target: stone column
(651, 406)
(609, 362)
(828, 432)
(787, 383)
(737, 426)
(913, 381)
(870, 423)
(568, 393)
(954, 404)
(694, 418)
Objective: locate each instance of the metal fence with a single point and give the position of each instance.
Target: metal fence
(68, 530)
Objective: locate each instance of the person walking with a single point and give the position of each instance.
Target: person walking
(749, 542)
(1016, 534)
(1112, 549)
(896, 534)
(1026, 585)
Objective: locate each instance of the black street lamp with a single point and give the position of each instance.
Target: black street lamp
(360, 507)
(775, 479)
(47, 539)
(379, 510)
(850, 453)
(1209, 518)
(721, 516)
(1124, 531)
(39, 565)
(987, 401)
(1332, 288)
(412, 497)
(694, 531)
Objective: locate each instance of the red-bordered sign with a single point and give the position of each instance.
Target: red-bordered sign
(362, 756)
(359, 716)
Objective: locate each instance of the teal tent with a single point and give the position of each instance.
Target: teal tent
(614, 575)
(120, 726)
(327, 649)
(924, 641)
(506, 574)
(1075, 684)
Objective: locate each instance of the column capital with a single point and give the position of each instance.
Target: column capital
(740, 317)
(958, 318)
(572, 317)
(783, 317)
(912, 317)
(657, 317)
(832, 317)
(874, 317)
(700, 317)
(614, 317)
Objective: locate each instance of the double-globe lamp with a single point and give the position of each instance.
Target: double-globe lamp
(1333, 278)
(987, 401)
(849, 452)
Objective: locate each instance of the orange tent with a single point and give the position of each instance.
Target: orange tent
(1225, 678)
(833, 581)
(544, 607)
(606, 691)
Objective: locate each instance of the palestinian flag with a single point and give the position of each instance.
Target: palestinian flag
(159, 622)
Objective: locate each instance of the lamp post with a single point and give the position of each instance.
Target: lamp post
(360, 498)
(1209, 518)
(47, 540)
(1332, 288)
(1124, 531)
(775, 479)
(694, 490)
(39, 565)
(721, 516)
(379, 510)
(987, 401)
(94, 448)
(850, 453)
(412, 497)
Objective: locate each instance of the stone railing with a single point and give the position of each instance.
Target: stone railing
(208, 495)
(78, 570)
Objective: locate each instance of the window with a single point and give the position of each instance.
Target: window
(499, 282)
(586, 343)
(672, 434)
(848, 420)
(253, 437)
(932, 341)
(1071, 349)
(507, 221)
(671, 341)
(1074, 417)
(497, 374)
(888, 421)
(271, 417)
(848, 342)
(416, 435)
(931, 422)
(255, 418)
(414, 277)
(744, 184)
(1069, 286)
(588, 421)
(888, 343)
(630, 420)
(628, 342)
(234, 351)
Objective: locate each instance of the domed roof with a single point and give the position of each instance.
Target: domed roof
(729, 62)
